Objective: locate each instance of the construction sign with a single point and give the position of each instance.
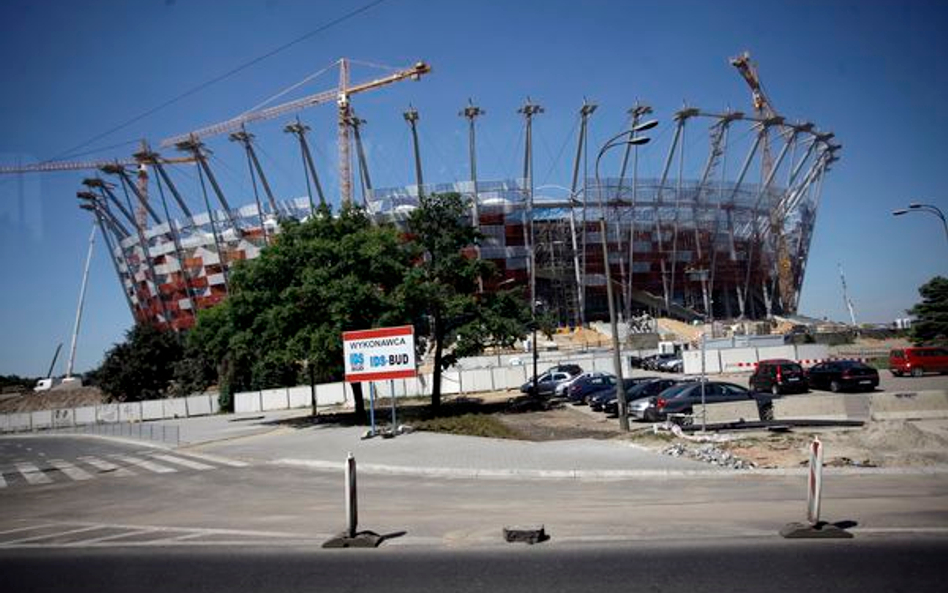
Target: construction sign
(379, 354)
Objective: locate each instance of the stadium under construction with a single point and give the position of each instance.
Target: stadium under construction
(730, 241)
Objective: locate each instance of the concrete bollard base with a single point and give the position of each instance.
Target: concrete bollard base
(363, 539)
(529, 535)
(821, 530)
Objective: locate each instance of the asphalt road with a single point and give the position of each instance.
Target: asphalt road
(260, 503)
(710, 565)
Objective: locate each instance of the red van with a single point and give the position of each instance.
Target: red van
(918, 361)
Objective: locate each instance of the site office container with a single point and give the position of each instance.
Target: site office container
(918, 361)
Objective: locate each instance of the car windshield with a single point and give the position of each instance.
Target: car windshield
(675, 390)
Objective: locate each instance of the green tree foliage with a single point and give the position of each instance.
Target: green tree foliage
(442, 289)
(930, 326)
(329, 275)
(318, 279)
(142, 367)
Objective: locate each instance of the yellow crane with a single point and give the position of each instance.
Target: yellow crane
(110, 166)
(765, 111)
(340, 95)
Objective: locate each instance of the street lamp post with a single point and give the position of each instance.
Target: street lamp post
(627, 137)
(916, 207)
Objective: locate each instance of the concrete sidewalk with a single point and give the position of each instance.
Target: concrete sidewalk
(259, 438)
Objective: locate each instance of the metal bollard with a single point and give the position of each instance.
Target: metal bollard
(352, 504)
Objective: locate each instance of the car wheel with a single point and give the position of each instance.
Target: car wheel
(775, 389)
(918, 372)
(835, 386)
(896, 373)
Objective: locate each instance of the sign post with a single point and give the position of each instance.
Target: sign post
(379, 354)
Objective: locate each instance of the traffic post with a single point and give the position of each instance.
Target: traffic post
(814, 528)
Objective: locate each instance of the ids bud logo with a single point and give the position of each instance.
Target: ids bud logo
(357, 361)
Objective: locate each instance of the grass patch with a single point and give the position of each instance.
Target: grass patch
(475, 425)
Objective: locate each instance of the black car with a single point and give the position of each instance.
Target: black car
(598, 399)
(779, 376)
(837, 375)
(645, 389)
(681, 399)
(589, 385)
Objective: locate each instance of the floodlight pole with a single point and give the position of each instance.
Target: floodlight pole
(931, 209)
(623, 138)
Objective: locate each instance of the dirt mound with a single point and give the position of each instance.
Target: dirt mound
(51, 400)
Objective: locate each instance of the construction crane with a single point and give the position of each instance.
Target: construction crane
(111, 166)
(340, 95)
(766, 112)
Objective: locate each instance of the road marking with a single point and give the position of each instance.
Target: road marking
(154, 467)
(216, 459)
(97, 540)
(185, 462)
(32, 474)
(30, 528)
(3, 482)
(70, 470)
(106, 466)
(48, 535)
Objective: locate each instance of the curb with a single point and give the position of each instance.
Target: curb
(595, 475)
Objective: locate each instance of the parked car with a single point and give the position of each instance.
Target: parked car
(682, 398)
(635, 362)
(779, 376)
(638, 395)
(837, 375)
(918, 361)
(650, 363)
(546, 383)
(672, 365)
(588, 385)
(563, 388)
(597, 400)
(571, 369)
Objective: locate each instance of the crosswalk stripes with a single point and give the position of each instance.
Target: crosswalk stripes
(149, 465)
(32, 474)
(216, 459)
(107, 466)
(184, 462)
(70, 470)
(118, 465)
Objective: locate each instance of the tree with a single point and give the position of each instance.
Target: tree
(141, 367)
(930, 326)
(292, 303)
(442, 290)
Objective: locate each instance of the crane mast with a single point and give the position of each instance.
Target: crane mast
(341, 95)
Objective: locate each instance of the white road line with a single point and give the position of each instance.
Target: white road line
(107, 466)
(153, 467)
(97, 540)
(3, 482)
(30, 528)
(32, 473)
(47, 536)
(215, 459)
(70, 470)
(184, 462)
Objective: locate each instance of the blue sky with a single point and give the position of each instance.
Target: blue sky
(872, 72)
